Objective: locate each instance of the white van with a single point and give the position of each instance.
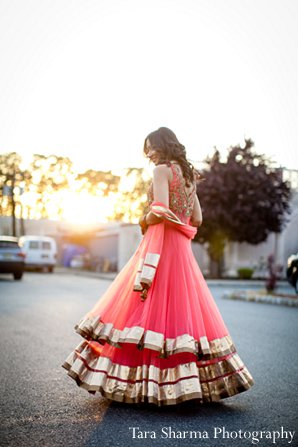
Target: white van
(41, 252)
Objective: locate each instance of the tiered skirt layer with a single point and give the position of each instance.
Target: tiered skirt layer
(171, 348)
(164, 373)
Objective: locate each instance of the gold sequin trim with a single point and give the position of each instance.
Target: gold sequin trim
(146, 270)
(147, 383)
(95, 329)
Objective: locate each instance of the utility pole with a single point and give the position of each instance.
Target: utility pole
(13, 203)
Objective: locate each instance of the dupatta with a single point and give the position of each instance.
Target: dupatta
(152, 244)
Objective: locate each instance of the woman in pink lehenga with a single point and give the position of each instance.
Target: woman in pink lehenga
(156, 335)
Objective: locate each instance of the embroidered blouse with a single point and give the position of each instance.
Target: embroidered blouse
(181, 201)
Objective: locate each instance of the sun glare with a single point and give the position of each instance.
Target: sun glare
(81, 208)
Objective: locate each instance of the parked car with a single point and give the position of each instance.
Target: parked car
(11, 257)
(292, 271)
(41, 252)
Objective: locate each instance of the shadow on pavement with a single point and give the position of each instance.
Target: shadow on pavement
(114, 428)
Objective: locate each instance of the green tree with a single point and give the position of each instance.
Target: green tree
(243, 199)
(50, 174)
(98, 182)
(132, 200)
(14, 180)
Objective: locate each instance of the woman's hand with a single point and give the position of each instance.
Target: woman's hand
(152, 219)
(143, 224)
(196, 218)
(195, 223)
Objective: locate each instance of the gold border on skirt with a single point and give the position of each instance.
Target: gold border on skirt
(210, 382)
(92, 328)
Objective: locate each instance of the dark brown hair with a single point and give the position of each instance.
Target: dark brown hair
(166, 144)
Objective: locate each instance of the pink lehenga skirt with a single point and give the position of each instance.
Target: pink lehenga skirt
(172, 347)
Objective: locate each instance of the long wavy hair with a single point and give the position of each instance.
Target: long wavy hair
(168, 147)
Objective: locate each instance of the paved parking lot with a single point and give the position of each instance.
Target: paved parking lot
(41, 406)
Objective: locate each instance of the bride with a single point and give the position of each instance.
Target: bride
(156, 335)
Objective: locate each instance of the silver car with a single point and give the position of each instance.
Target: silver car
(12, 259)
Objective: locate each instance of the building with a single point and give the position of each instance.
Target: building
(109, 246)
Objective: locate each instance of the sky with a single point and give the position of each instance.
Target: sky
(89, 79)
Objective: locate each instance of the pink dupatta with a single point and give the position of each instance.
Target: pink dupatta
(152, 244)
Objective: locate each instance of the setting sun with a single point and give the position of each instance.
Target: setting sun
(83, 208)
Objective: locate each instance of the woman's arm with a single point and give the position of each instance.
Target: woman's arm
(196, 218)
(160, 191)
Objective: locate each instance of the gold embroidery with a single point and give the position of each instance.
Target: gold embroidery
(153, 340)
(205, 345)
(152, 259)
(131, 335)
(93, 328)
(137, 284)
(192, 380)
(180, 201)
(146, 270)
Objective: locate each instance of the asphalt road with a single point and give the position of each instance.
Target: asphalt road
(42, 406)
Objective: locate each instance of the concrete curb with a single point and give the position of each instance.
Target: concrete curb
(213, 282)
(86, 273)
(253, 296)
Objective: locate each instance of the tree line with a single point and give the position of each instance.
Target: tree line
(243, 196)
(32, 192)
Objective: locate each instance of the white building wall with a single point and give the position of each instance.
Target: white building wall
(41, 227)
(130, 237)
(202, 257)
(281, 245)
